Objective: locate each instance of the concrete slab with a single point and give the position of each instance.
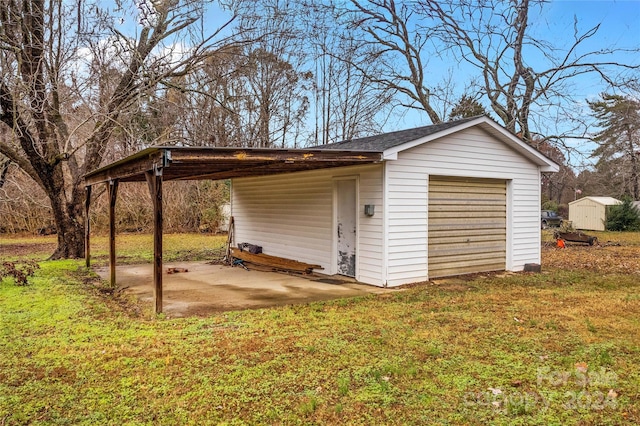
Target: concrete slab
(207, 288)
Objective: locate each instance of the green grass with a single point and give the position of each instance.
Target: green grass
(130, 248)
(559, 347)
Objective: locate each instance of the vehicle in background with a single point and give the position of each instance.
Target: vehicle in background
(549, 218)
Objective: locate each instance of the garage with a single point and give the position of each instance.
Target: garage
(447, 199)
(467, 225)
(387, 210)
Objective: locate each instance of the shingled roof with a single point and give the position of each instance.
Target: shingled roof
(389, 140)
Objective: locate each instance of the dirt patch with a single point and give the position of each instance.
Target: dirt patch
(27, 249)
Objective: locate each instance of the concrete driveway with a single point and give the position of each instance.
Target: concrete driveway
(207, 288)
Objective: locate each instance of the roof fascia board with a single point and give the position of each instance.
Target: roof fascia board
(134, 165)
(599, 200)
(546, 164)
(273, 155)
(158, 157)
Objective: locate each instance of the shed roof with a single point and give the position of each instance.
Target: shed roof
(605, 201)
(393, 143)
(390, 140)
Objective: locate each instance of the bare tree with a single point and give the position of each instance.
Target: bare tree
(216, 101)
(274, 73)
(525, 78)
(277, 102)
(393, 31)
(347, 103)
(495, 38)
(69, 74)
(558, 187)
(4, 169)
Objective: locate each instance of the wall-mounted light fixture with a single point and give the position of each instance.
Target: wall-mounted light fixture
(369, 209)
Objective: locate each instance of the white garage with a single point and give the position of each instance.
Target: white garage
(447, 199)
(387, 210)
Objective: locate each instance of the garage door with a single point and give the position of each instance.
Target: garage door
(467, 225)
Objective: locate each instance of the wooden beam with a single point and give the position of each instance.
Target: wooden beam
(112, 188)
(154, 180)
(226, 171)
(223, 163)
(87, 231)
(277, 263)
(127, 168)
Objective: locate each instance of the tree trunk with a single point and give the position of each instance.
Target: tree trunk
(67, 214)
(635, 186)
(70, 235)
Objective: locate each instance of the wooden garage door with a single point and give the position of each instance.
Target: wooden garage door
(467, 225)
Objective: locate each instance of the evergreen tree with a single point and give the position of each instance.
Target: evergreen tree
(623, 217)
(467, 107)
(619, 140)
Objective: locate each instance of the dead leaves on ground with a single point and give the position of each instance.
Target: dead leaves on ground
(602, 259)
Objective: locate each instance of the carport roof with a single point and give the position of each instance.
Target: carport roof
(192, 163)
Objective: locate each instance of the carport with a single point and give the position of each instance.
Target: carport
(157, 164)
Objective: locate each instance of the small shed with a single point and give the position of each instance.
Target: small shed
(590, 213)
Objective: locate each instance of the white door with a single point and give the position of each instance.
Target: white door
(346, 224)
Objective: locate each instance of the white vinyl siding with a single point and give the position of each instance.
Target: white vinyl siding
(292, 216)
(468, 153)
(587, 215)
(370, 236)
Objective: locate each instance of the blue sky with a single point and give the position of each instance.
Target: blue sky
(619, 20)
(620, 28)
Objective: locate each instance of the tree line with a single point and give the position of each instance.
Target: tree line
(85, 83)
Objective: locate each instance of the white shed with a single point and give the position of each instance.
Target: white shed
(590, 212)
(447, 199)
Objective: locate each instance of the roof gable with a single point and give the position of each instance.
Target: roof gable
(394, 142)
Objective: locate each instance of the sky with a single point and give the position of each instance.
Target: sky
(619, 27)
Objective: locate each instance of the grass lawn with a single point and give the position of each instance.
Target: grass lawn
(561, 347)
